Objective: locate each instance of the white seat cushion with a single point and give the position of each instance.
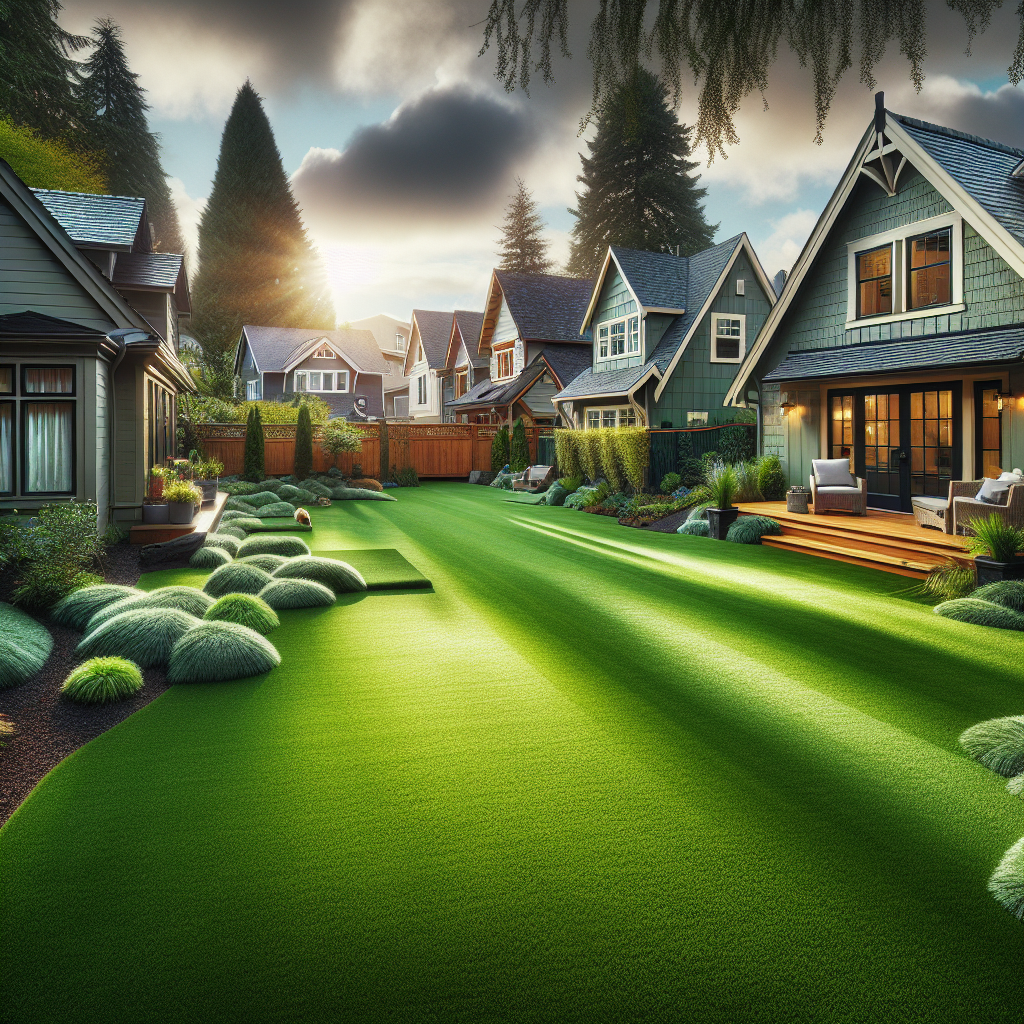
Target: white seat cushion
(839, 490)
(935, 504)
(833, 473)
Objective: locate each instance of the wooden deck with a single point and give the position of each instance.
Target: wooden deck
(205, 522)
(891, 541)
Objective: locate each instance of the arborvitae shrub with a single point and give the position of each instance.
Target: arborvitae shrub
(79, 606)
(590, 454)
(24, 646)
(245, 609)
(236, 578)
(283, 595)
(143, 635)
(736, 444)
(217, 651)
(338, 575)
(771, 481)
(303, 444)
(567, 453)
(264, 544)
(519, 452)
(500, 449)
(101, 680)
(253, 458)
(980, 613)
(633, 454)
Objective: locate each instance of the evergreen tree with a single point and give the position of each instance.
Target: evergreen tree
(523, 249)
(519, 458)
(119, 131)
(49, 163)
(37, 73)
(303, 444)
(638, 191)
(499, 449)
(253, 465)
(256, 265)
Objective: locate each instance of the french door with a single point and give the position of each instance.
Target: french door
(905, 440)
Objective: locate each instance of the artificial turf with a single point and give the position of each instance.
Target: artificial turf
(595, 774)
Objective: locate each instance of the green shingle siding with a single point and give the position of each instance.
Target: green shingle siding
(614, 301)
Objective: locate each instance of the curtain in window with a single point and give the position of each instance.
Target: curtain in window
(6, 380)
(49, 380)
(48, 446)
(6, 448)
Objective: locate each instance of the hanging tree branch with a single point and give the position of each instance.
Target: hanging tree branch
(728, 47)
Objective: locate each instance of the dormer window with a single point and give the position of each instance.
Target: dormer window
(324, 352)
(505, 363)
(618, 338)
(399, 342)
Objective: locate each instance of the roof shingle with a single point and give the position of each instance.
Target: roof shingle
(275, 347)
(546, 307)
(435, 330)
(105, 221)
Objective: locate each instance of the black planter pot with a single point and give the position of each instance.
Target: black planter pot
(719, 521)
(987, 570)
(180, 512)
(155, 513)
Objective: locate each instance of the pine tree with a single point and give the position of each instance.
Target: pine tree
(37, 73)
(118, 129)
(519, 458)
(253, 464)
(256, 265)
(303, 444)
(637, 188)
(523, 250)
(499, 449)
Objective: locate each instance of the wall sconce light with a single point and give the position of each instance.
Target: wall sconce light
(786, 404)
(1002, 397)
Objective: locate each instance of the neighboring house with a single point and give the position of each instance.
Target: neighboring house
(89, 372)
(669, 333)
(392, 336)
(898, 338)
(463, 366)
(343, 367)
(527, 316)
(424, 363)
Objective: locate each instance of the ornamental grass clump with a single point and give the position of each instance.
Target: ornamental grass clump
(185, 599)
(995, 538)
(268, 563)
(224, 541)
(750, 529)
(24, 646)
(285, 595)
(214, 652)
(134, 600)
(695, 528)
(747, 487)
(102, 680)
(331, 572)
(998, 744)
(1007, 881)
(722, 483)
(980, 613)
(236, 578)
(141, 634)
(1008, 593)
(209, 558)
(246, 610)
(275, 508)
(78, 607)
(269, 544)
(238, 505)
(950, 579)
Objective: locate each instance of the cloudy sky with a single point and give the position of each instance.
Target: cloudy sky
(403, 148)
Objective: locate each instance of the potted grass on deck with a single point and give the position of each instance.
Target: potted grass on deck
(996, 546)
(722, 482)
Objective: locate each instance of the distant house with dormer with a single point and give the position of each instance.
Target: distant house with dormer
(392, 336)
(668, 335)
(425, 363)
(464, 367)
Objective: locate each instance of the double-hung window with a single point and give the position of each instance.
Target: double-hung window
(874, 281)
(728, 337)
(929, 264)
(618, 338)
(506, 362)
(48, 429)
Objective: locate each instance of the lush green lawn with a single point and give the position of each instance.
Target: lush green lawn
(596, 774)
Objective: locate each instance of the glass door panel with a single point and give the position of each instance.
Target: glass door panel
(931, 441)
(988, 429)
(842, 428)
(882, 442)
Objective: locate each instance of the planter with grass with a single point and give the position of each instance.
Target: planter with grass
(154, 513)
(208, 478)
(183, 498)
(997, 546)
(722, 483)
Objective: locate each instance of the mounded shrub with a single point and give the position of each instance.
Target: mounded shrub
(185, 599)
(240, 488)
(271, 544)
(222, 540)
(79, 606)
(555, 494)
(980, 613)
(519, 447)
(771, 481)
(304, 497)
(24, 646)
(109, 611)
(232, 514)
(367, 483)
(237, 505)
(315, 487)
(276, 508)
(750, 529)
(359, 494)
(287, 491)
(695, 528)
(141, 634)
(245, 609)
(232, 531)
(236, 578)
(1008, 593)
(212, 652)
(284, 595)
(209, 558)
(268, 563)
(331, 572)
(263, 497)
(272, 484)
(102, 680)
(1007, 881)
(998, 744)
(245, 525)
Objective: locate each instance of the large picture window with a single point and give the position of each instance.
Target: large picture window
(611, 417)
(48, 433)
(321, 380)
(618, 338)
(874, 282)
(929, 265)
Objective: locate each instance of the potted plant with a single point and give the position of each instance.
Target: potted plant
(208, 477)
(722, 483)
(996, 546)
(183, 498)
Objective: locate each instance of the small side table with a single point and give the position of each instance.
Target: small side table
(796, 501)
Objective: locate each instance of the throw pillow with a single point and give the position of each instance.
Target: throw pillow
(833, 473)
(993, 492)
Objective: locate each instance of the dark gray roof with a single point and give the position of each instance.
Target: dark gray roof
(104, 221)
(608, 382)
(147, 270)
(982, 167)
(546, 307)
(966, 348)
(567, 361)
(30, 324)
(486, 392)
(274, 348)
(469, 327)
(435, 332)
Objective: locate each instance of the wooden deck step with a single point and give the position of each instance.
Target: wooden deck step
(885, 561)
(921, 548)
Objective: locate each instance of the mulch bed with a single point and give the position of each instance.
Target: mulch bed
(670, 523)
(47, 727)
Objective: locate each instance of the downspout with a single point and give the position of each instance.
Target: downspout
(120, 339)
(641, 414)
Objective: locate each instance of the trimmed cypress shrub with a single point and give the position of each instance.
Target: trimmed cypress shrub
(185, 599)
(500, 449)
(695, 528)
(246, 610)
(101, 680)
(264, 544)
(224, 541)
(143, 635)
(331, 572)
(209, 558)
(980, 613)
(633, 453)
(24, 646)
(519, 453)
(80, 605)
(284, 595)
(217, 651)
(236, 578)
(1008, 593)
(611, 463)
(315, 487)
(590, 454)
(276, 508)
(253, 459)
(238, 505)
(771, 481)
(998, 744)
(268, 563)
(750, 529)
(303, 444)
(1007, 881)
(110, 611)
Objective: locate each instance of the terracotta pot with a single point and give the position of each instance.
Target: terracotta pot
(155, 513)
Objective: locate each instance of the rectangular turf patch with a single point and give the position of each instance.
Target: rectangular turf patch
(382, 568)
(283, 525)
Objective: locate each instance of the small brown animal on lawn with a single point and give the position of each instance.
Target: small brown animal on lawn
(302, 516)
(326, 502)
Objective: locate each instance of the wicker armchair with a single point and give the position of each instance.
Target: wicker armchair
(966, 509)
(840, 499)
(938, 512)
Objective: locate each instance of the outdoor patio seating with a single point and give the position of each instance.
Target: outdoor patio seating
(967, 508)
(535, 479)
(937, 512)
(835, 489)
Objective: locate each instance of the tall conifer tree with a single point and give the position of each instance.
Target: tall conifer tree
(638, 191)
(256, 265)
(119, 130)
(524, 250)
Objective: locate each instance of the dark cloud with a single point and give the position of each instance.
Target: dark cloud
(996, 115)
(447, 156)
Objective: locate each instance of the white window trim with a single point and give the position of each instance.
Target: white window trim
(897, 238)
(696, 419)
(321, 354)
(622, 415)
(742, 317)
(510, 351)
(252, 390)
(598, 358)
(321, 390)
